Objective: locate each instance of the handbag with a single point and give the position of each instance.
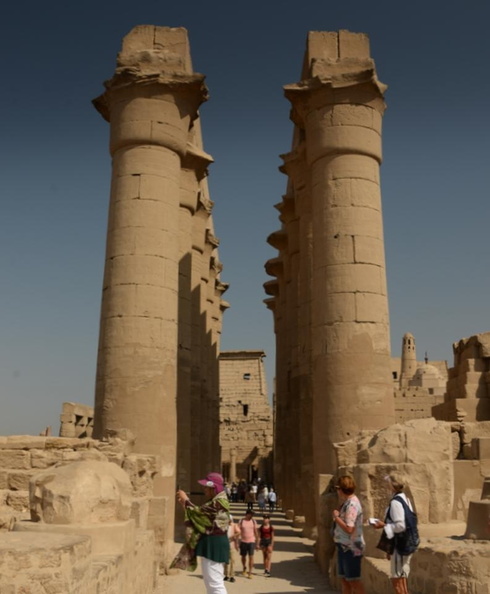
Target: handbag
(385, 544)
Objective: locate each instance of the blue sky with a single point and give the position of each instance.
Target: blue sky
(55, 171)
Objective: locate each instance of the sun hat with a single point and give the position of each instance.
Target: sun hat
(213, 479)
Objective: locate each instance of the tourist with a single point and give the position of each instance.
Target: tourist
(348, 519)
(394, 524)
(266, 533)
(234, 492)
(233, 537)
(249, 537)
(261, 499)
(250, 499)
(209, 523)
(272, 499)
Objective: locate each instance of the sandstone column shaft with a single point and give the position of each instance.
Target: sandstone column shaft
(150, 110)
(340, 109)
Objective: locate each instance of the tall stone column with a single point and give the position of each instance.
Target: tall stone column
(295, 167)
(194, 168)
(233, 476)
(199, 268)
(340, 108)
(275, 268)
(150, 103)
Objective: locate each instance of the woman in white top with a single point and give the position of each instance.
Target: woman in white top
(394, 524)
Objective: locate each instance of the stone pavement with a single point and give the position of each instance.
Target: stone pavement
(293, 568)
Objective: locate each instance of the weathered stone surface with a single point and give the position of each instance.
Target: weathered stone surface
(18, 500)
(245, 415)
(22, 442)
(82, 492)
(19, 480)
(45, 458)
(15, 459)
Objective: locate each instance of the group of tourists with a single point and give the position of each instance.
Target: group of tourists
(213, 535)
(255, 492)
(399, 538)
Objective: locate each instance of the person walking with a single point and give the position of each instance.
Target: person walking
(266, 534)
(394, 526)
(208, 537)
(250, 499)
(249, 537)
(348, 536)
(272, 498)
(261, 499)
(234, 538)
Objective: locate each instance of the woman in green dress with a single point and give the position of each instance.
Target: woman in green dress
(208, 526)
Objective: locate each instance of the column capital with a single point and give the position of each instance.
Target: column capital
(154, 95)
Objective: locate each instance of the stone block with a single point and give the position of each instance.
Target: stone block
(82, 455)
(473, 391)
(15, 459)
(322, 45)
(299, 522)
(353, 45)
(18, 500)
(19, 480)
(23, 442)
(371, 308)
(289, 514)
(369, 250)
(45, 458)
(81, 492)
(353, 278)
(4, 484)
(345, 114)
(139, 512)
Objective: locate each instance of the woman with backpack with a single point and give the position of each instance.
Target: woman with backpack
(405, 537)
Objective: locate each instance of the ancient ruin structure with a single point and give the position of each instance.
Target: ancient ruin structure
(160, 327)
(76, 420)
(468, 386)
(161, 304)
(245, 417)
(87, 515)
(443, 476)
(418, 385)
(329, 294)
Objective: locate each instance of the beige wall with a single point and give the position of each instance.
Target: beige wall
(245, 415)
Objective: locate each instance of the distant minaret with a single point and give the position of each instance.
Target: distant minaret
(409, 359)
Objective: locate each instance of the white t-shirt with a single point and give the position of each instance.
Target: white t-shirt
(396, 523)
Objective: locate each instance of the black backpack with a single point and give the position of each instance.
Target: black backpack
(408, 541)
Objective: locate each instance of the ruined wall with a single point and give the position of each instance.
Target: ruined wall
(414, 403)
(76, 420)
(69, 560)
(245, 416)
(468, 386)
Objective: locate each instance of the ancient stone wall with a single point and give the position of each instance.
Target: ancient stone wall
(76, 420)
(414, 403)
(80, 558)
(468, 386)
(245, 417)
